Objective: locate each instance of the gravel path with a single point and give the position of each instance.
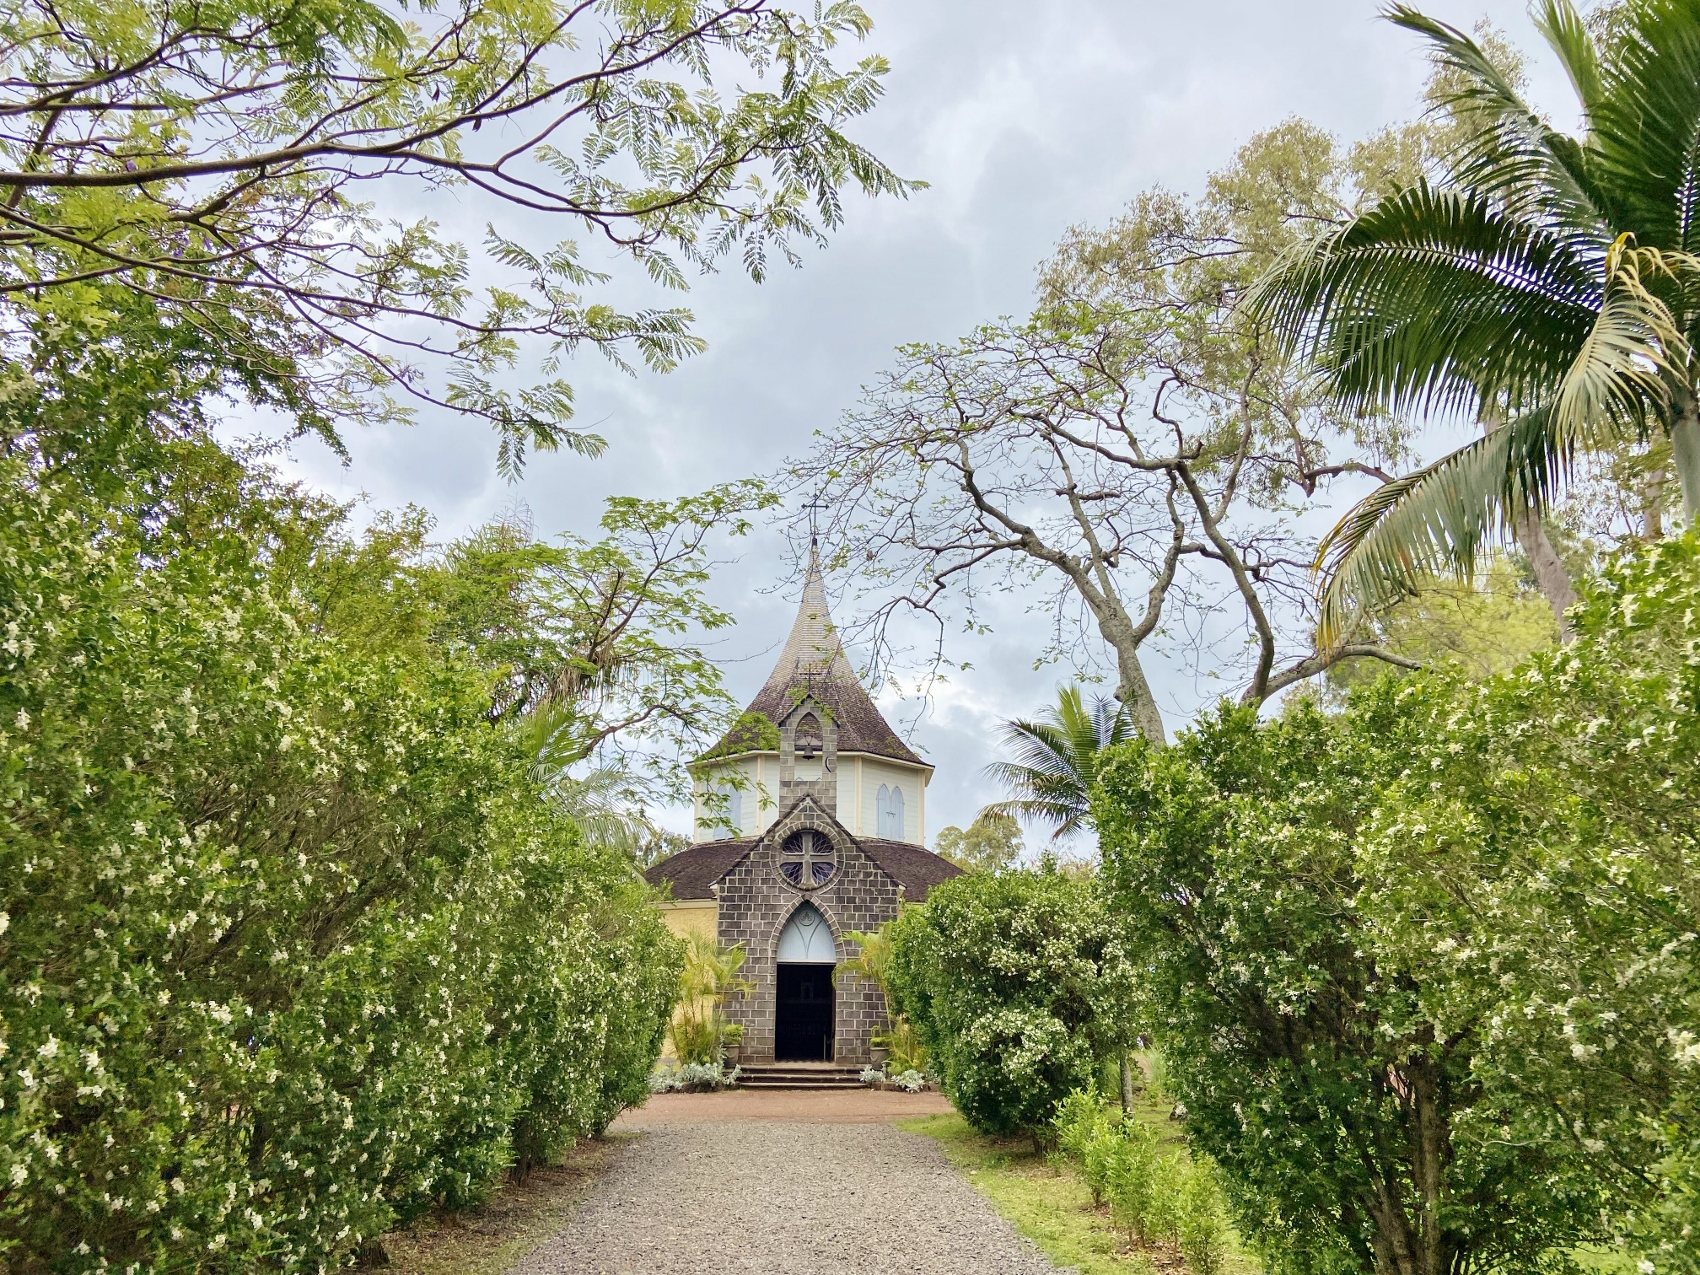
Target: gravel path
(756, 1198)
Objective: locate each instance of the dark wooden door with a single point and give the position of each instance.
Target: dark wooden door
(803, 1027)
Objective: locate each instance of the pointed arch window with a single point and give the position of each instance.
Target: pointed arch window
(807, 938)
(723, 810)
(888, 811)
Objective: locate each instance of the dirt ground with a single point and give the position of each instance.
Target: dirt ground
(782, 1106)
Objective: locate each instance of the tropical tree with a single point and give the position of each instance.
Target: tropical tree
(1547, 283)
(1131, 457)
(709, 979)
(223, 162)
(1055, 760)
(990, 844)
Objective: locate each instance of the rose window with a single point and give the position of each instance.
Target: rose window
(807, 859)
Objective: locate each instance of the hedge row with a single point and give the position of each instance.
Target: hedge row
(291, 947)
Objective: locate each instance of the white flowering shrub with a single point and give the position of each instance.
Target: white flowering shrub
(1017, 988)
(290, 946)
(871, 1076)
(1424, 972)
(910, 1081)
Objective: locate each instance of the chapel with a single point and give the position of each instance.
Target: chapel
(810, 819)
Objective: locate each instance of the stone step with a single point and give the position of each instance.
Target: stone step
(799, 1076)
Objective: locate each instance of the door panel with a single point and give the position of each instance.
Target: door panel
(804, 1015)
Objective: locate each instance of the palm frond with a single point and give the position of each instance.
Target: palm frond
(1055, 760)
(1646, 128)
(1064, 818)
(1511, 153)
(1435, 299)
(1568, 36)
(1437, 520)
(1619, 372)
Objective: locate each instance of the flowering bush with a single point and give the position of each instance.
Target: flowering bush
(291, 948)
(1014, 984)
(694, 1078)
(1424, 972)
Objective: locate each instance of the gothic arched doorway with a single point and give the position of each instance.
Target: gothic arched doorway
(803, 1021)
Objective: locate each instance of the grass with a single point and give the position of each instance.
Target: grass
(1047, 1205)
(1048, 1202)
(519, 1218)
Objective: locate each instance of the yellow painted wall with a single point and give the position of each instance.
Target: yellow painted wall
(691, 917)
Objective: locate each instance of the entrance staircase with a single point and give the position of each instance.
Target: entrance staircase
(798, 1076)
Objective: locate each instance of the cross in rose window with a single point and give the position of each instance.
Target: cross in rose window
(807, 859)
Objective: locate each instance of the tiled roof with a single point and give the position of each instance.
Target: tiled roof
(813, 663)
(915, 868)
(691, 872)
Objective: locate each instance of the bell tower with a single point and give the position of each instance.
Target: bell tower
(808, 756)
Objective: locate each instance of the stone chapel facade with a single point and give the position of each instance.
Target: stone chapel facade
(810, 821)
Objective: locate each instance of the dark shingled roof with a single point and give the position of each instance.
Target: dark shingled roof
(813, 663)
(915, 868)
(691, 872)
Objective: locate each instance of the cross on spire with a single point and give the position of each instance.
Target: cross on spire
(814, 506)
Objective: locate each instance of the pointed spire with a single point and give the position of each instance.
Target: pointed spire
(813, 648)
(813, 662)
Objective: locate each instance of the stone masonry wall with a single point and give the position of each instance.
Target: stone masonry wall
(756, 902)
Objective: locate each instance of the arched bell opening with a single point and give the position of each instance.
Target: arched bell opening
(805, 1002)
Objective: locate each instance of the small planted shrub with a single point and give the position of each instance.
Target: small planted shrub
(1138, 1180)
(1014, 983)
(699, 1030)
(693, 1078)
(902, 1046)
(1201, 1210)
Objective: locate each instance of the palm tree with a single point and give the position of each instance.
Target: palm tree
(1551, 287)
(1056, 760)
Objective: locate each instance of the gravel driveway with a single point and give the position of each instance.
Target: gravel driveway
(751, 1198)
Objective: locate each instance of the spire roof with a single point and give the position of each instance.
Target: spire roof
(813, 649)
(812, 662)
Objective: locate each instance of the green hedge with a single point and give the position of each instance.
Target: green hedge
(291, 949)
(1017, 988)
(1424, 971)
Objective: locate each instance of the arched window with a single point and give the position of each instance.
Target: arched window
(808, 736)
(723, 806)
(888, 812)
(807, 938)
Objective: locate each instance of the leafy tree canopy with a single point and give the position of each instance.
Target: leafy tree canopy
(990, 844)
(234, 164)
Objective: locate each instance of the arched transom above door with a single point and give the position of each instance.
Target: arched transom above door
(807, 938)
(807, 859)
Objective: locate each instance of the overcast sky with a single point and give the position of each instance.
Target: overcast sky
(1024, 118)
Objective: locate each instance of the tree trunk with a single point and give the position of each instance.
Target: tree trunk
(1550, 575)
(1131, 688)
(1685, 456)
(1653, 504)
